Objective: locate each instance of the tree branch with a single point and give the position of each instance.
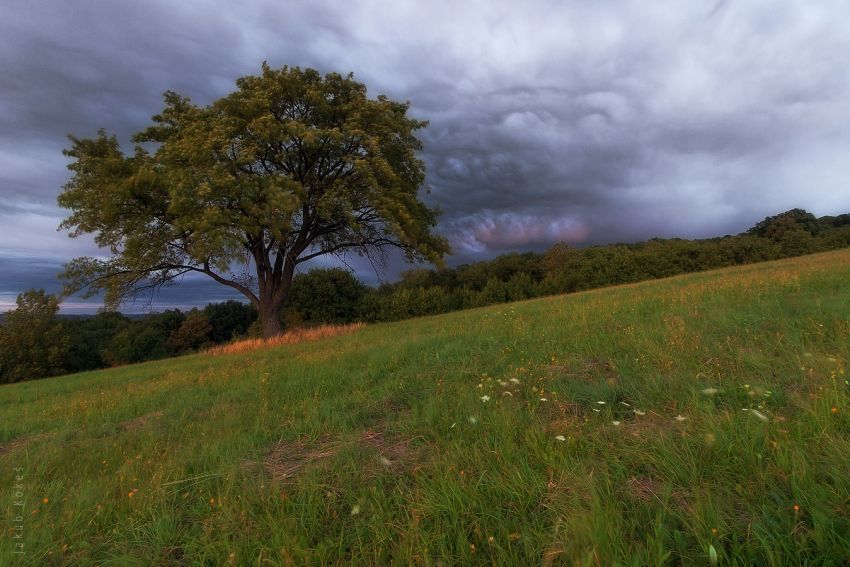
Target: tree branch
(230, 283)
(375, 242)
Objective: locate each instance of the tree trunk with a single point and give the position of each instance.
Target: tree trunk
(270, 320)
(274, 284)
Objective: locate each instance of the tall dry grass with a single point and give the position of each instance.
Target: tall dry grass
(294, 336)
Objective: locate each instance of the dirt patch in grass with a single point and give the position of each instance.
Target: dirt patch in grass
(377, 414)
(645, 489)
(392, 453)
(650, 489)
(558, 415)
(588, 370)
(138, 422)
(551, 554)
(20, 442)
(651, 424)
(288, 458)
(566, 490)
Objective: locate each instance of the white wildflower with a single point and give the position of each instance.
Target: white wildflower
(485, 398)
(543, 400)
(560, 438)
(601, 403)
(759, 415)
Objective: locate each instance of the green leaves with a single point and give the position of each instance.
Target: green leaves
(290, 166)
(32, 342)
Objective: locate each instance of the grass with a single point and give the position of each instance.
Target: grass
(693, 420)
(294, 336)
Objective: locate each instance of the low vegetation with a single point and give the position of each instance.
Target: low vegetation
(295, 336)
(334, 296)
(694, 420)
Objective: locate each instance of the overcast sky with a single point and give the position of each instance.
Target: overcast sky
(585, 121)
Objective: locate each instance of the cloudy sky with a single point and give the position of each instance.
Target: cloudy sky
(585, 121)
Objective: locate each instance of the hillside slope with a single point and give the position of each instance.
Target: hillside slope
(674, 420)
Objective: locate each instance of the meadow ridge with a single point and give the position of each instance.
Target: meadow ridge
(700, 419)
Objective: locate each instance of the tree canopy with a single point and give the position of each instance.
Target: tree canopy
(291, 166)
(32, 342)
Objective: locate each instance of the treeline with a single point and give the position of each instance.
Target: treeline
(566, 269)
(34, 342)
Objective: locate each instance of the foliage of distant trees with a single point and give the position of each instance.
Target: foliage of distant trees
(32, 342)
(322, 296)
(35, 343)
(565, 269)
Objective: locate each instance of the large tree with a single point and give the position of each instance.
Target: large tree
(291, 166)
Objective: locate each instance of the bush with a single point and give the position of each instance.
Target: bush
(325, 296)
(193, 334)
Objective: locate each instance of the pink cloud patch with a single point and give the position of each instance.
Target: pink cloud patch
(497, 231)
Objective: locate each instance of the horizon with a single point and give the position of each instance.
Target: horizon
(220, 295)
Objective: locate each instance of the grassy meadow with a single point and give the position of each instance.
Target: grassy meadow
(702, 419)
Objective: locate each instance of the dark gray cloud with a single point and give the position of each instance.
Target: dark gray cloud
(581, 121)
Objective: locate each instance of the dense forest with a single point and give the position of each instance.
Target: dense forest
(36, 342)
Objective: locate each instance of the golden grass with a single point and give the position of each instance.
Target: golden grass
(306, 334)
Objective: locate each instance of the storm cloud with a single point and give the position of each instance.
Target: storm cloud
(586, 122)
